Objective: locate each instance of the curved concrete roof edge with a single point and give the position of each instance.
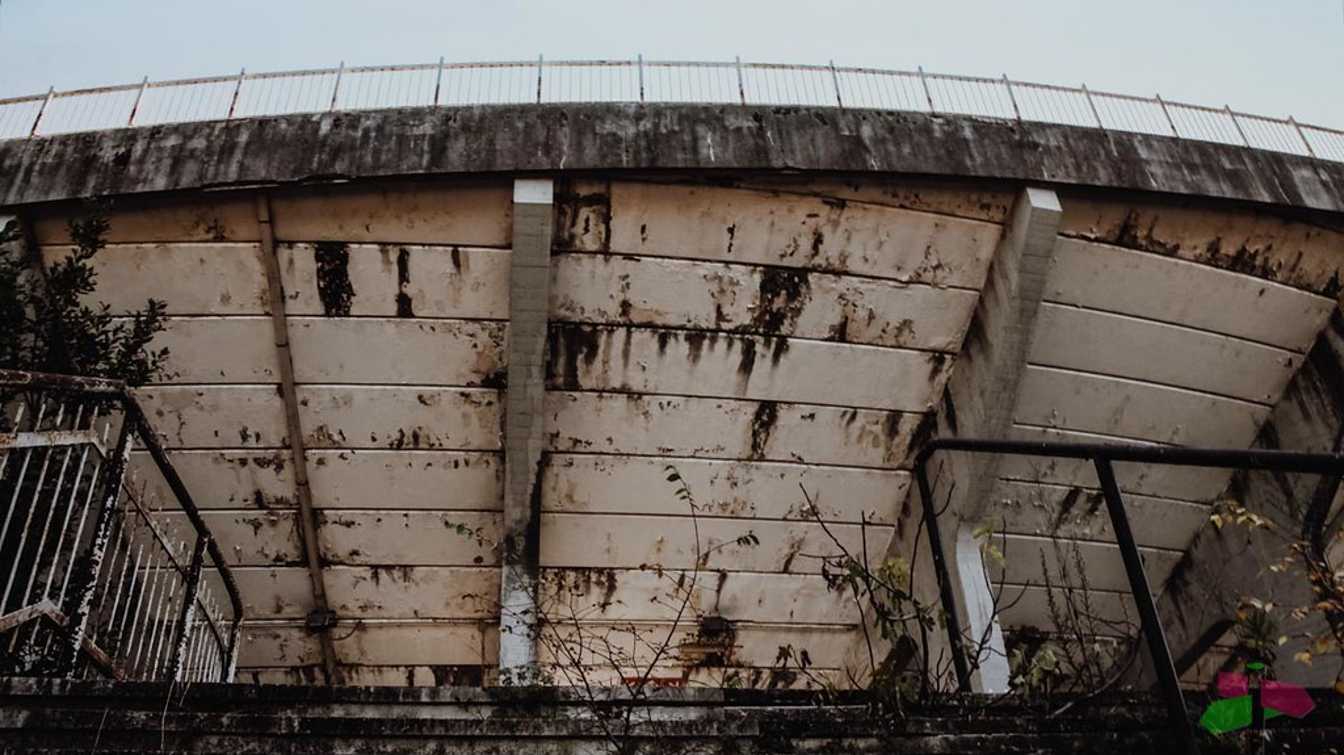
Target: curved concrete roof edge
(546, 138)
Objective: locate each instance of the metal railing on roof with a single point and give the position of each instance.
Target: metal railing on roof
(107, 566)
(244, 95)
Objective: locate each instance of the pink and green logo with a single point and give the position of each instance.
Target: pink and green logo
(1237, 710)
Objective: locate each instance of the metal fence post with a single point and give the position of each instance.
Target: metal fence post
(438, 81)
(640, 61)
(336, 89)
(1093, 105)
(1165, 112)
(233, 103)
(92, 562)
(1143, 599)
(741, 91)
(539, 65)
(51, 91)
(928, 95)
(1302, 136)
(1237, 125)
(835, 80)
(188, 614)
(1009, 86)
(943, 576)
(138, 96)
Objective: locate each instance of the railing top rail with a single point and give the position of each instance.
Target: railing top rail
(1329, 142)
(15, 379)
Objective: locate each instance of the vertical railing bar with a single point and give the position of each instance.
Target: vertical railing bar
(438, 81)
(944, 579)
(1237, 125)
(113, 474)
(18, 483)
(835, 82)
(51, 512)
(114, 636)
(1093, 106)
(119, 539)
(41, 110)
(1143, 598)
(336, 88)
(1161, 103)
(145, 607)
(237, 88)
(928, 95)
(18, 425)
(163, 629)
(540, 63)
(640, 60)
(28, 522)
(136, 105)
(1302, 136)
(741, 90)
(192, 588)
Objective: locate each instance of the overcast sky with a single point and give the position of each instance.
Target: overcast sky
(1274, 57)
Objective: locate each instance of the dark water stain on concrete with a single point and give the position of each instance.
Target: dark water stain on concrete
(333, 278)
(404, 308)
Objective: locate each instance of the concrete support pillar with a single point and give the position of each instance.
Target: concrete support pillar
(529, 291)
(984, 390)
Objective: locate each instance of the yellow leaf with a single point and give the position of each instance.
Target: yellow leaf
(1303, 657)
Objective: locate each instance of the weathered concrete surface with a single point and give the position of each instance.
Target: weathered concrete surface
(52, 716)
(494, 139)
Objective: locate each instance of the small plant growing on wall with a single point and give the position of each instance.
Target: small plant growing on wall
(49, 323)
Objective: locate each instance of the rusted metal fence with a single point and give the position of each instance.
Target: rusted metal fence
(243, 95)
(105, 564)
(1103, 457)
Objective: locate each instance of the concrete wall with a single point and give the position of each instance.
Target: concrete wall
(755, 330)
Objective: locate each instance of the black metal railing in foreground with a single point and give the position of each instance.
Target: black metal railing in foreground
(1103, 456)
(106, 566)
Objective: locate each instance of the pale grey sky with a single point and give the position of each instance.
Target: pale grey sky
(1274, 57)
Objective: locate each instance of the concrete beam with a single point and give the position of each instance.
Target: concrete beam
(982, 395)
(577, 137)
(529, 293)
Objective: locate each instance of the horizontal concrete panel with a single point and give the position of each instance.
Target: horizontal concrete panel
(225, 416)
(1143, 284)
(1134, 409)
(421, 479)
(267, 592)
(736, 225)
(1080, 339)
(411, 643)
(651, 595)
(421, 538)
(1299, 254)
(1030, 607)
(1071, 512)
(386, 280)
(976, 201)
(218, 218)
(466, 419)
(210, 278)
(746, 489)
(1029, 559)
(606, 289)
(742, 644)
(711, 365)
(726, 429)
(219, 350)
(391, 592)
(248, 538)
(1200, 484)
(223, 479)
(273, 644)
(613, 541)
(396, 351)
(468, 214)
(405, 592)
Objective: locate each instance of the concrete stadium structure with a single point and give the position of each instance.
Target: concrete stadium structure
(423, 359)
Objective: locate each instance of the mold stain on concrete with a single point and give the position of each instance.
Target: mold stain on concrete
(762, 424)
(404, 308)
(333, 278)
